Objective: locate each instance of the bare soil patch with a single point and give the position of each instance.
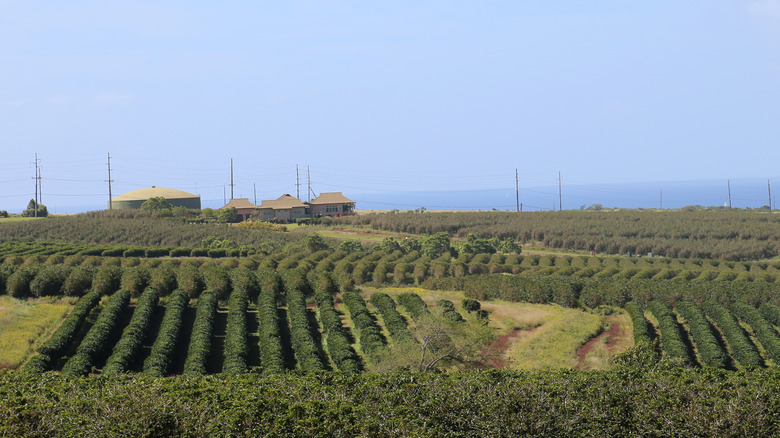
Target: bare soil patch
(610, 337)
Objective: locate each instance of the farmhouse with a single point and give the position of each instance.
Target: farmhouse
(288, 208)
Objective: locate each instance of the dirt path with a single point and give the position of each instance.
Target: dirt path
(496, 352)
(612, 337)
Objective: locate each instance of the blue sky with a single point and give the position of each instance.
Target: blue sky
(381, 97)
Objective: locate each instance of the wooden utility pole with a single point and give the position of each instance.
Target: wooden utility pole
(109, 180)
(560, 196)
(729, 181)
(517, 189)
(297, 183)
(37, 179)
(254, 185)
(231, 179)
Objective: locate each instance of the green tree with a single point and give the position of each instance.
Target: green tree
(155, 204)
(436, 245)
(227, 215)
(31, 207)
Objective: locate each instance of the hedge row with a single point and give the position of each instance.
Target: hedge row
(202, 331)
(369, 334)
(158, 364)
(337, 338)
(641, 324)
(236, 334)
(271, 352)
(96, 342)
(671, 337)
(129, 345)
(413, 304)
(394, 322)
(448, 310)
(712, 354)
(303, 343)
(771, 312)
(764, 331)
(56, 346)
(740, 346)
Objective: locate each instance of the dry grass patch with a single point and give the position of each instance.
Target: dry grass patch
(25, 326)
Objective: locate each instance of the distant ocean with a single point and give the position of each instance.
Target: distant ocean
(745, 193)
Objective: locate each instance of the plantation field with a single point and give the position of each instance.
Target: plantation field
(25, 325)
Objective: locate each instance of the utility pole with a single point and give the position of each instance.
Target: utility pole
(231, 179)
(297, 183)
(560, 196)
(308, 183)
(729, 181)
(110, 202)
(517, 189)
(255, 189)
(37, 179)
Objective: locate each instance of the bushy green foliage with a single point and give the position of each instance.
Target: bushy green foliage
(49, 280)
(448, 310)
(338, 341)
(765, 333)
(394, 322)
(126, 350)
(135, 279)
(56, 346)
(739, 345)
(306, 353)
(413, 304)
(369, 334)
(699, 234)
(94, 347)
(672, 341)
(107, 279)
(271, 352)
(236, 349)
(159, 362)
(707, 345)
(18, 283)
(79, 281)
(640, 323)
(202, 331)
(190, 279)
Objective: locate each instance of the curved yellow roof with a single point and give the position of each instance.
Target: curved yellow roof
(154, 192)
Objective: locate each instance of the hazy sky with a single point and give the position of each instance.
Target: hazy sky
(382, 96)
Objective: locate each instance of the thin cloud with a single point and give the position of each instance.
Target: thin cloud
(113, 98)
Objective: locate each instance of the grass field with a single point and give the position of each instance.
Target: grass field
(24, 326)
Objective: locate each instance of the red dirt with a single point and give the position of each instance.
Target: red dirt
(613, 335)
(495, 352)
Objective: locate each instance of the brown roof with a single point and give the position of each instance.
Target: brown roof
(331, 198)
(283, 203)
(240, 204)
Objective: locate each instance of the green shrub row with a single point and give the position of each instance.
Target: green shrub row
(236, 334)
(771, 312)
(640, 323)
(394, 322)
(126, 350)
(740, 346)
(413, 304)
(671, 336)
(96, 342)
(202, 333)
(158, 364)
(59, 342)
(765, 333)
(49, 280)
(448, 310)
(712, 353)
(369, 334)
(271, 352)
(304, 346)
(337, 339)
(79, 281)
